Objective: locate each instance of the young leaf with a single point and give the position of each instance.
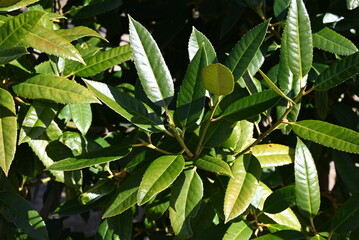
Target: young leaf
(212, 164)
(337, 73)
(347, 217)
(151, 67)
(72, 34)
(331, 41)
(299, 39)
(99, 62)
(195, 42)
(245, 50)
(186, 196)
(10, 54)
(159, 176)
(280, 200)
(130, 108)
(53, 88)
(192, 94)
(328, 134)
(8, 130)
(81, 114)
(8, 6)
(273, 155)
(238, 231)
(241, 189)
(218, 79)
(17, 210)
(306, 181)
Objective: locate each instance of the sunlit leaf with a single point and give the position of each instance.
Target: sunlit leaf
(72, 34)
(81, 114)
(352, 4)
(213, 164)
(195, 41)
(218, 79)
(273, 155)
(238, 231)
(102, 188)
(11, 5)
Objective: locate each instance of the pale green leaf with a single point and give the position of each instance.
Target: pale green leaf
(53, 88)
(159, 175)
(273, 155)
(81, 114)
(151, 67)
(328, 134)
(195, 42)
(352, 4)
(11, 5)
(186, 196)
(72, 34)
(213, 164)
(218, 79)
(347, 217)
(8, 130)
(9, 54)
(238, 231)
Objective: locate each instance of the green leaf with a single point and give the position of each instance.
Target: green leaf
(213, 164)
(280, 8)
(73, 206)
(195, 42)
(11, 5)
(328, 134)
(50, 42)
(218, 79)
(284, 234)
(99, 62)
(273, 155)
(306, 181)
(8, 130)
(151, 67)
(186, 196)
(241, 189)
(331, 41)
(18, 211)
(346, 218)
(130, 108)
(337, 73)
(250, 106)
(16, 28)
(217, 133)
(96, 8)
(299, 40)
(346, 170)
(102, 188)
(72, 34)
(53, 88)
(280, 200)
(245, 50)
(92, 158)
(192, 94)
(116, 228)
(159, 175)
(238, 231)
(352, 4)
(37, 119)
(81, 114)
(10, 54)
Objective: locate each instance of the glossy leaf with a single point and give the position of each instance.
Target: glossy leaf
(346, 218)
(241, 189)
(50, 42)
(99, 62)
(192, 94)
(213, 164)
(280, 200)
(245, 136)
(72, 34)
(130, 108)
(218, 79)
(195, 42)
(299, 39)
(116, 228)
(306, 181)
(331, 41)
(8, 130)
(96, 8)
(218, 132)
(186, 196)
(328, 134)
(238, 231)
(102, 188)
(16, 28)
(280, 8)
(273, 155)
(337, 73)
(245, 50)
(53, 88)
(37, 119)
(151, 67)
(159, 175)
(10, 54)
(92, 158)
(11, 5)
(250, 106)
(81, 114)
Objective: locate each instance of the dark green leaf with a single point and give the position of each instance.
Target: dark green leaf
(96, 8)
(346, 218)
(218, 132)
(346, 170)
(81, 114)
(280, 8)
(116, 228)
(280, 200)
(102, 188)
(9, 54)
(218, 79)
(273, 155)
(195, 42)
(238, 231)
(213, 164)
(281, 235)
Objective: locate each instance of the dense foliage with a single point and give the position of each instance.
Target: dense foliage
(206, 119)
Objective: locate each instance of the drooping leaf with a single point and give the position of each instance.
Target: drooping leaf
(213, 164)
(238, 231)
(352, 4)
(346, 218)
(151, 67)
(328, 134)
(306, 181)
(245, 50)
(81, 114)
(99, 62)
(337, 73)
(53, 88)
(218, 79)
(191, 96)
(241, 189)
(37, 119)
(92, 158)
(331, 41)
(280, 200)
(159, 175)
(9, 54)
(72, 34)
(195, 41)
(17, 210)
(130, 108)
(273, 155)
(11, 5)
(96, 8)
(186, 196)
(118, 227)
(299, 39)
(8, 130)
